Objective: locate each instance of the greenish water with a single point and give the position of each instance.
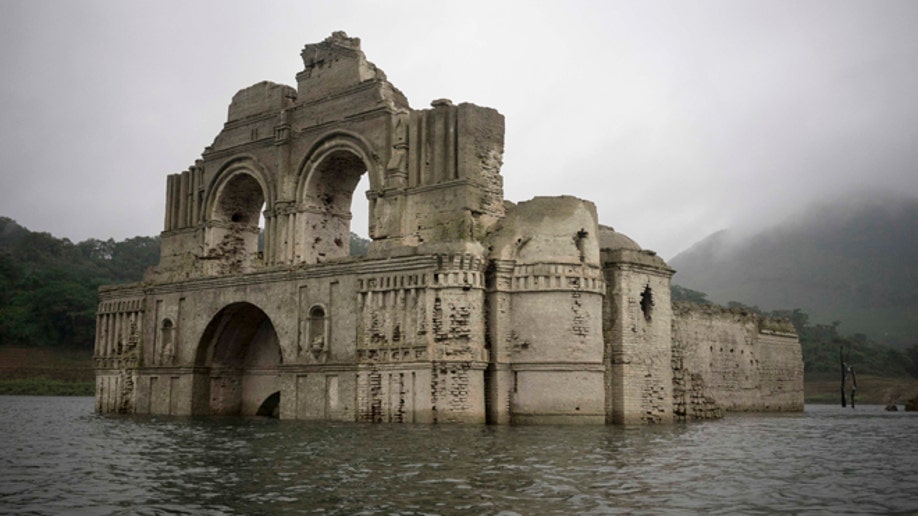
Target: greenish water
(46, 387)
(57, 457)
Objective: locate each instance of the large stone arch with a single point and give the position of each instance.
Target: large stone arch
(335, 141)
(235, 199)
(237, 362)
(326, 183)
(243, 164)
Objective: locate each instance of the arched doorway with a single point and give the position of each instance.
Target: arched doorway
(270, 407)
(237, 362)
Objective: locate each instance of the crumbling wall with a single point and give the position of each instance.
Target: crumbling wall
(691, 400)
(452, 174)
(780, 369)
(544, 301)
(387, 395)
(419, 326)
(394, 322)
(637, 336)
(737, 359)
(117, 352)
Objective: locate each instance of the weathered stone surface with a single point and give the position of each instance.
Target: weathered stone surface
(467, 308)
(745, 362)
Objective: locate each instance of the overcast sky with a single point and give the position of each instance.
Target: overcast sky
(676, 118)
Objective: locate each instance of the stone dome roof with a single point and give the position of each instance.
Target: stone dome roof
(611, 239)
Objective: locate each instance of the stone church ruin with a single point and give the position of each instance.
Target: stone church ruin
(467, 308)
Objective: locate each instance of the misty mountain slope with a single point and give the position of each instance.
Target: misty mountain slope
(854, 262)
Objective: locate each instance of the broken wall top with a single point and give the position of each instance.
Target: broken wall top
(334, 65)
(434, 174)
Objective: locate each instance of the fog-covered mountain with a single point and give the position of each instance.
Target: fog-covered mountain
(853, 261)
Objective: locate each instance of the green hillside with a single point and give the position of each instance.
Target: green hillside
(48, 298)
(48, 286)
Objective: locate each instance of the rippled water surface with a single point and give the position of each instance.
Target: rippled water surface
(56, 456)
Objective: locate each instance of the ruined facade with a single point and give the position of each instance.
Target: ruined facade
(467, 308)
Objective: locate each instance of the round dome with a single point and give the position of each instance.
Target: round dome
(610, 239)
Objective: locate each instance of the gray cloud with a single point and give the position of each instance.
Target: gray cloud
(677, 119)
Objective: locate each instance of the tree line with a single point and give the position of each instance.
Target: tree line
(821, 343)
(49, 286)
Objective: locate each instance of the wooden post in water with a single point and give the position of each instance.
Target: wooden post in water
(841, 359)
(853, 385)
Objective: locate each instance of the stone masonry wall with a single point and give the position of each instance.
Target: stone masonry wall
(636, 330)
(735, 359)
(119, 324)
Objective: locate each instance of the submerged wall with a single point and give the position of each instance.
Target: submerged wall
(734, 360)
(467, 308)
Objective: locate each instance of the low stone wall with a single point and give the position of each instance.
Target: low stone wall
(734, 360)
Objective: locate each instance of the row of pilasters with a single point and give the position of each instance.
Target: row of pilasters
(296, 235)
(184, 198)
(118, 324)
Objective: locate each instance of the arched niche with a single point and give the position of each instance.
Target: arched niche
(317, 338)
(237, 362)
(167, 342)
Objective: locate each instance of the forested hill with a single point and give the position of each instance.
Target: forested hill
(48, 286)
(855, 262)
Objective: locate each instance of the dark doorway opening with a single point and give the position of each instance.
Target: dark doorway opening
(270, 407)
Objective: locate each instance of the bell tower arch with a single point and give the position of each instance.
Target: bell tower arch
(233, 211)
(326, 187)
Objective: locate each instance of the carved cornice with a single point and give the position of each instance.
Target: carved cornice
(108, 292)
(442, 185)
(558, 366)
(548, 277)
(121, 305)
(284, 274)
(392, 354)
(387, 282)
(261, 143)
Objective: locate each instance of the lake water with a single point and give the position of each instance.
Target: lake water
(56, 456)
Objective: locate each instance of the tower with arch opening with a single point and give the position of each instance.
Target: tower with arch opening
(466, 308)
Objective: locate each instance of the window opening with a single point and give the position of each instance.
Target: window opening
(647, 303)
